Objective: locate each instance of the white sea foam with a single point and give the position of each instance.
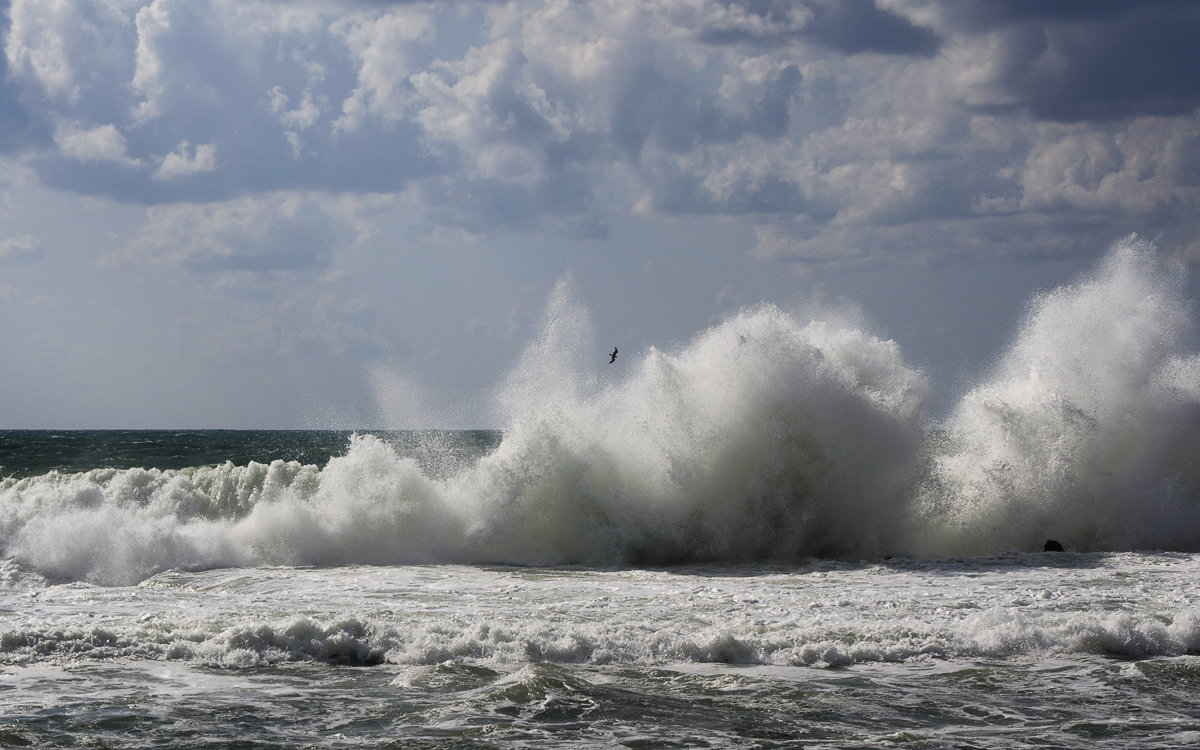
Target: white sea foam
(813, 616)
(766, 437)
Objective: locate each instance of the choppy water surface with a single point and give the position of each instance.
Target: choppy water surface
(1065, 650)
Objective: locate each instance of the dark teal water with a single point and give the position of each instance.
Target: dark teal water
(27, 453)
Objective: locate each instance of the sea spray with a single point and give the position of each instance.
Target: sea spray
(1088, 429)
(764, 438)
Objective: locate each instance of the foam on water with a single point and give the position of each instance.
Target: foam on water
(766, 437)
(819, 615)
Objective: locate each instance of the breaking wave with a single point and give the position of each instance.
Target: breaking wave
(766, 437)
(1088, 429)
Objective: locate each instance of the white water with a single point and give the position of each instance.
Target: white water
(985, 652)
(765, 438)
(1005, 607)
(1089, 428)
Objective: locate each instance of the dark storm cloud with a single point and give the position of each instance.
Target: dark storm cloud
(1078, 61)
(982, 15)
(1141, 66)
(848, 26)
(1185, 165)
(855, 26)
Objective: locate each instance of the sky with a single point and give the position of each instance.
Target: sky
(324, 214)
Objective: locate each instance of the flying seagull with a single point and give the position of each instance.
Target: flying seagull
(613, 356)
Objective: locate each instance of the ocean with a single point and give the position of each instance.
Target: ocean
(760, 538)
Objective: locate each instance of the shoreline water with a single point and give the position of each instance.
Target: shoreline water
(1099, 651)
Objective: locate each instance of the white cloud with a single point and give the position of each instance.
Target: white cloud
(1130, 169)
(42, 44)
(737, 19)
(296, 142)
(386, 48)
(151, 22)
(187, 161)
(488, 109)
(101, 143)
(301, 117)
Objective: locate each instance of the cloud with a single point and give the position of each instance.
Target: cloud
(181, 83)
(856, 26)
(151, 22)
(272, 233)
(187, 161)
(100, 143)
(818, 118)
(53, 43)
(1070, 61)
(847, 26)
(487, 108)
(20, 250)
(387, 49)
(302, 117)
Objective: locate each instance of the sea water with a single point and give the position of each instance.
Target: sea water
(758, 539)
(1077, 650)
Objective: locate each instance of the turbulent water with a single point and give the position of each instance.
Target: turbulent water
(758, 539)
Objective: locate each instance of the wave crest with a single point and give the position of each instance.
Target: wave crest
(1088, 429)
(764, 438)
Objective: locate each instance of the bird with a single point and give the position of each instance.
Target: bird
(613, 356)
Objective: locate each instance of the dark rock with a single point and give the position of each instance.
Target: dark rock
(1052, 546)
